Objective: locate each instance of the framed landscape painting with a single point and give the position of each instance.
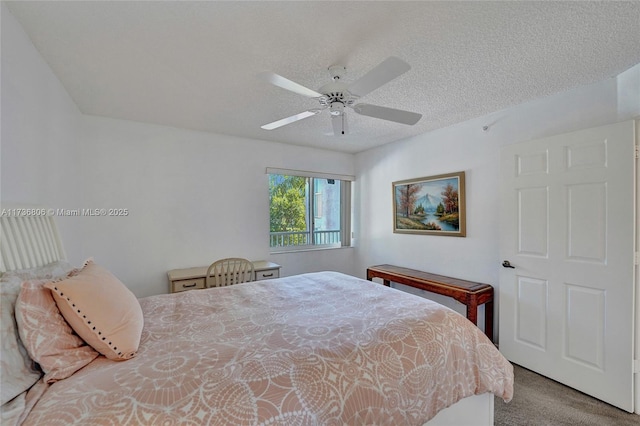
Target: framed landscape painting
(433, 205)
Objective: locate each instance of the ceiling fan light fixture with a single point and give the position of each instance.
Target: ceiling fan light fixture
(337, 108)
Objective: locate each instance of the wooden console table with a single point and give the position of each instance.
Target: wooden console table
(468, 293)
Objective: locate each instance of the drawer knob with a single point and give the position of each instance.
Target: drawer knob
(189, 285)
(267, 275)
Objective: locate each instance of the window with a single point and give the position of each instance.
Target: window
(308, 210)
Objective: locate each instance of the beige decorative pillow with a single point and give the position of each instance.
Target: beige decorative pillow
(48, 338)
(102, 310)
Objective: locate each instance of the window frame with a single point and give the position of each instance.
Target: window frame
(345, 209)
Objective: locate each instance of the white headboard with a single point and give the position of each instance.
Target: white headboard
(28, 238)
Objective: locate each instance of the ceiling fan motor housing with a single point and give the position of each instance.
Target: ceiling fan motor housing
(336, 96)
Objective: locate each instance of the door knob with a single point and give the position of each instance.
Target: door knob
(507, 264)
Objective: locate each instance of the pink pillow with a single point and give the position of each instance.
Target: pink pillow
(47, 336)
(105, 313)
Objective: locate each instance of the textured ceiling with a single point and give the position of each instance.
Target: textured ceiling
(194, 64)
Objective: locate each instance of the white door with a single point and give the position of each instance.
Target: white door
(567, 228)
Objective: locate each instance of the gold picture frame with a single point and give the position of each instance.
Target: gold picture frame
(433, 205)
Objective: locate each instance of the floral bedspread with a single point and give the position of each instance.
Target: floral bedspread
(313, 349)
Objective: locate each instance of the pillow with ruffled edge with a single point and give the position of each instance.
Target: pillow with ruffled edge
(101, 309)
(17, 369)
(50, 271)
(48, 338)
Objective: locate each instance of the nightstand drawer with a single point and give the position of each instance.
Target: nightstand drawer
(182, 285)
(267, 274)
(194, 278)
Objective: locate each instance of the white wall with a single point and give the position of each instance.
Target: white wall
(39, 142)
(466, 147)
(192, 197)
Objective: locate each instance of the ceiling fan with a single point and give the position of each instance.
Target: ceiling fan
(336, 96)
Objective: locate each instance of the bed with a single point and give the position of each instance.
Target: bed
(314, 349)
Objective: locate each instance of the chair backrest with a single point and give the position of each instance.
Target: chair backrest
(232, 270)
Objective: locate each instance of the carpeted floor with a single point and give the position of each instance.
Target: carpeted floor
(539, 401)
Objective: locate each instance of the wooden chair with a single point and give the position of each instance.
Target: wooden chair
(229, 271)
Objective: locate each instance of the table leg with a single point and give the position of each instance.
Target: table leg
(472, 312)
(488, 319)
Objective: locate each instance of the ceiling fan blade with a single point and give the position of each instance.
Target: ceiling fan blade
(391, 114)
(280, 81)
(389, 69)
(339, 123)
(289, 120)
